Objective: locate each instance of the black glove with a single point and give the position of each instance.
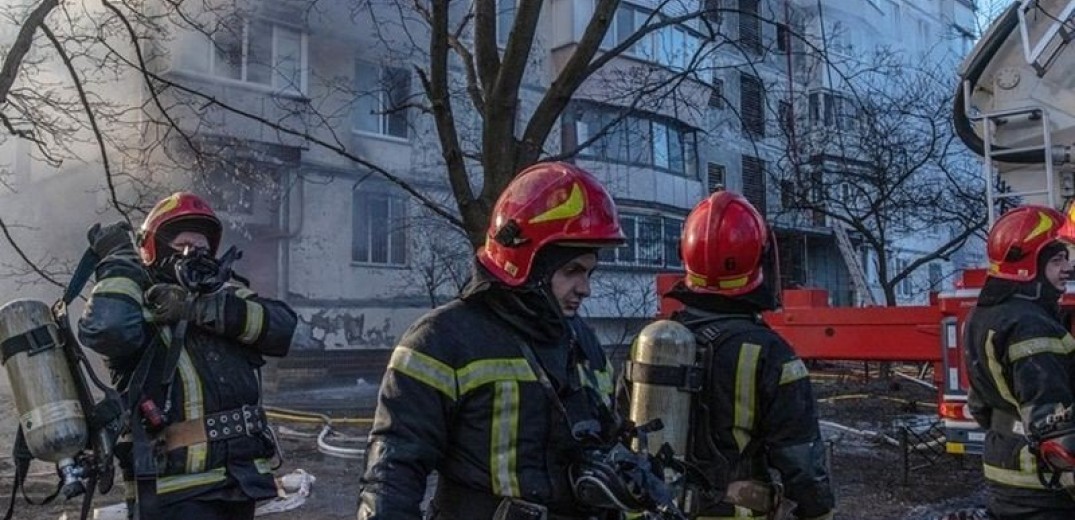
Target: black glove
(110, 239)
(168, 304)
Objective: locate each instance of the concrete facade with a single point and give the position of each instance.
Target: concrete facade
(360, 260)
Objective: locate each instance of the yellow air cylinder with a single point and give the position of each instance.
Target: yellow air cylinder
(663, 343)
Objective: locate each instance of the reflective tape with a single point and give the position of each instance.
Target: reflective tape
(746, 380)
(193, 408)
(425, 369)
(996, 371)
(254, 322)
(121, 286)
(1035, 346)
(793, 370)
(485, 371)
(175, 483)
(503, 445)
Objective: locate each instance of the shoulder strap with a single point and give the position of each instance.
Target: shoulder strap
(722, 327)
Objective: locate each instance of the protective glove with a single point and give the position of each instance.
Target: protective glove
(105, 240)
(168, 303)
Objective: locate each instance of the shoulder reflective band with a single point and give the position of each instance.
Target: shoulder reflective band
(1031, 347)
(424, 368)
(792, 371)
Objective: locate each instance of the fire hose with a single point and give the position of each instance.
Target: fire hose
(327, 431)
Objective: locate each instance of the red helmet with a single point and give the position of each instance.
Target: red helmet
(178, 208)
(1019, 236)
(724, 241)
(546, 203)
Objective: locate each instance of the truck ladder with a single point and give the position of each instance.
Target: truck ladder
(1040, 54)
(991, 119)
(851, 258)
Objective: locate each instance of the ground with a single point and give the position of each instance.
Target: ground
(867, 473)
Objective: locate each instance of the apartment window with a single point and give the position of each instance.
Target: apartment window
(638, 139)
(847, 193)
(505, 19)
(712, 11)
(751, 105)
(787, 194)
(936, 277)
(749, 26)
(382, 94)
(783, 38)
(715, 180)
(785, 116)
(627, 21)
(672, 46)
(673, 230)
(379, 233)
(253, 51)
(905, 287)
(716, 93)
(754, 182)
(832, 110)
(652, 241)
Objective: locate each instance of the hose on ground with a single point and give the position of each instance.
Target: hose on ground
(327, 431)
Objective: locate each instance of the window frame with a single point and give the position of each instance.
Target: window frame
(752, 121)
(678, 140)
(380, 90)
(398, 237)
(203, 60)
(634, 254)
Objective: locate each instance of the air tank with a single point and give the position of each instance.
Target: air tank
(46, 398)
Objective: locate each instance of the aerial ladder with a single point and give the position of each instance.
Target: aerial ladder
(1015, 106)
(863, 294)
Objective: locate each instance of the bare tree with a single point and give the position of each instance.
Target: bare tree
(163, 129)
(881, 159)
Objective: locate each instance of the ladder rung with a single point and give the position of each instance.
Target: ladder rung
(1013, 151)
(1012, 195)
(1009, 112)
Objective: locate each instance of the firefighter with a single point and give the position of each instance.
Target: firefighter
(501, 390)
(1021, 363)
(755, 411)
(199, 406)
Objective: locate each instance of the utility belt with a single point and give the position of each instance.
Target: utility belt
(453, 501)
(247, 421)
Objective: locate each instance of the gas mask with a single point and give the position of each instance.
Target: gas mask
(619, 478)
(196, 270)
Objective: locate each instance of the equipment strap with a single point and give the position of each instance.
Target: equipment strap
(142, 449)
(82, 274)
(21, 455)
(687, 378)
(33, 341)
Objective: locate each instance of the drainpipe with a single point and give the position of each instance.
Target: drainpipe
(283, 249)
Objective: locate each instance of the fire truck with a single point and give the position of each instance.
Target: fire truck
(1015, 108)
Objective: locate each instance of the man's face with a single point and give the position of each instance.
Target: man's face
(189, 239)
(1058, 270)
(571, 283)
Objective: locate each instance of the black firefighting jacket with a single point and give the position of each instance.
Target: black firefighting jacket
(1021, 366)
(214, 374)
(757, 410)
(460, 398)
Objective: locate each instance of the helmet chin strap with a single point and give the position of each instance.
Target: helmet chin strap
(544, 288)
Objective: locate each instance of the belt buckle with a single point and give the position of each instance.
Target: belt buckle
(252, 419)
